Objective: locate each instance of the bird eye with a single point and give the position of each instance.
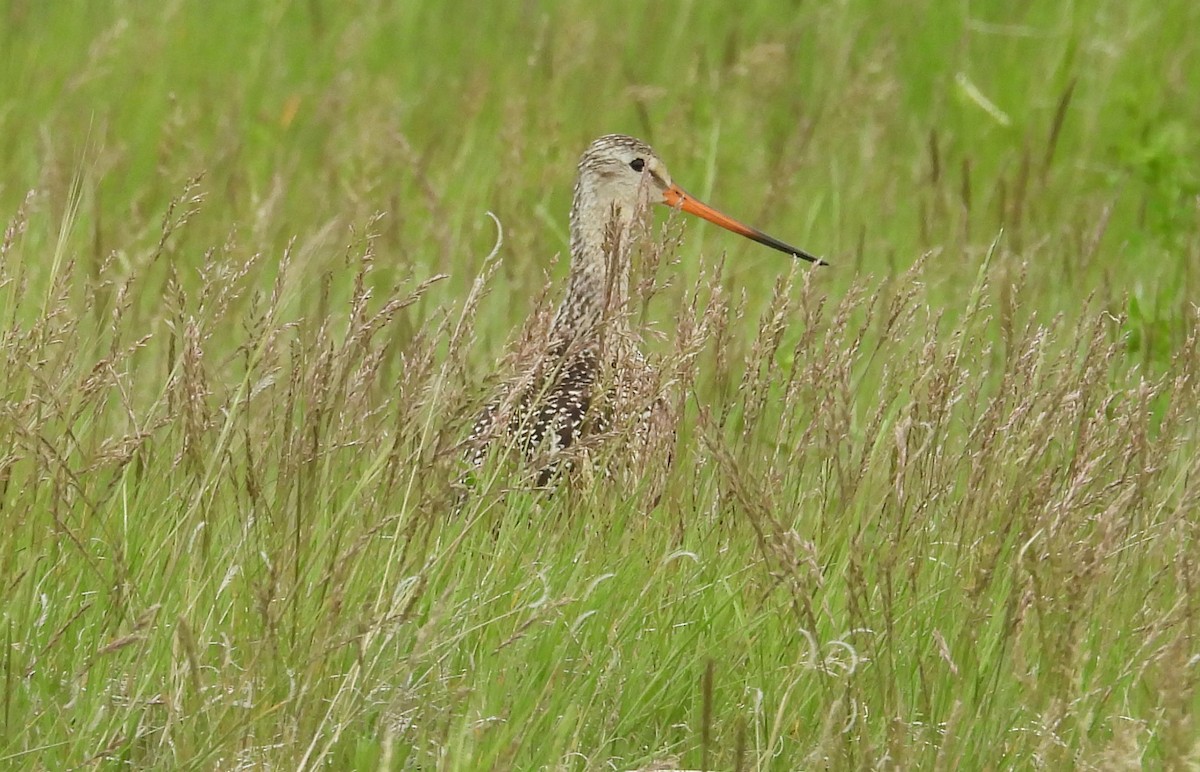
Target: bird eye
(637, 164)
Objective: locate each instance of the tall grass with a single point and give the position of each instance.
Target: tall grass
(934, 506)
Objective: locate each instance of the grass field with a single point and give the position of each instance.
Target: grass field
(935, 506)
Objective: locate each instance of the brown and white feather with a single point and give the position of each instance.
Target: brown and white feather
(589, 364)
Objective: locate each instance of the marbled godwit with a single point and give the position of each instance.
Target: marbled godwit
(554, 403)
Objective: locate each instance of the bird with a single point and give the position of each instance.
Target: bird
(590, 359)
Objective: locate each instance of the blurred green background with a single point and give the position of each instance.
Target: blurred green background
(866, 131)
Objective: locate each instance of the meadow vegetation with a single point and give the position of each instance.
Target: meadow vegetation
(934, 506)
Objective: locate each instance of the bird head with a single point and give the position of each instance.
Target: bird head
(623, 173)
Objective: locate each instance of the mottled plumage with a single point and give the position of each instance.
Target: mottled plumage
(590, 361)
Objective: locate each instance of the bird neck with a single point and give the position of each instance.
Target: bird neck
(601, 236)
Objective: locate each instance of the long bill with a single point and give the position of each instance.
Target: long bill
(674, 196)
